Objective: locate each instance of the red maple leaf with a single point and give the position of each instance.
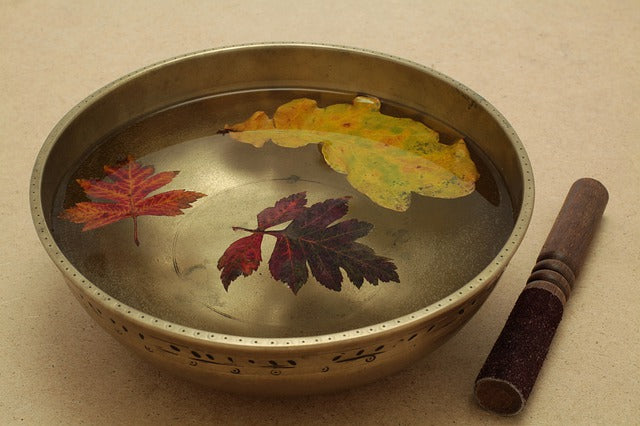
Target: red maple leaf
(309, 242)
(124, 194)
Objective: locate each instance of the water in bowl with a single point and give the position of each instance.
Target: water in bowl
(438, 245)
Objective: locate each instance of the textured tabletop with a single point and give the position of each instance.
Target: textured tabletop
(565, 75)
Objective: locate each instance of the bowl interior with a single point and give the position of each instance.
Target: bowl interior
(168, 117)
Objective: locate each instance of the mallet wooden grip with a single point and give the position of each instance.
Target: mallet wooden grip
(510, 371)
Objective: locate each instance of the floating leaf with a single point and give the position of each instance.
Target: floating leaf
(243, 257)
(386, 158)
(124, 193)
(311, 239)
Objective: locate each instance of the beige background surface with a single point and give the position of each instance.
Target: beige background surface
(565, 74)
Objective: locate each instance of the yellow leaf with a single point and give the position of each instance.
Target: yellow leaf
(386, 158)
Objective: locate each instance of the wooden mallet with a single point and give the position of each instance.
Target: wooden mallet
(510, 371)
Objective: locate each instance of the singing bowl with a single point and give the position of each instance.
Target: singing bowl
(164, 300)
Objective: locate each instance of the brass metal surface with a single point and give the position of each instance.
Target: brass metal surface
(281, 357)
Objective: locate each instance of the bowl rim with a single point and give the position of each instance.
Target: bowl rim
(483, 281)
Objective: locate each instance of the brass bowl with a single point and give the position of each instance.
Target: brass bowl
(258, 337)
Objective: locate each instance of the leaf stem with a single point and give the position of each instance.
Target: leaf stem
(135, 230)
(256, 231)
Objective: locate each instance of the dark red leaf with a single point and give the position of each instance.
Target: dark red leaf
(309, 242)
(241, 258)
(361, 263)
(288, 263)
(283, 211)
(320, 215)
